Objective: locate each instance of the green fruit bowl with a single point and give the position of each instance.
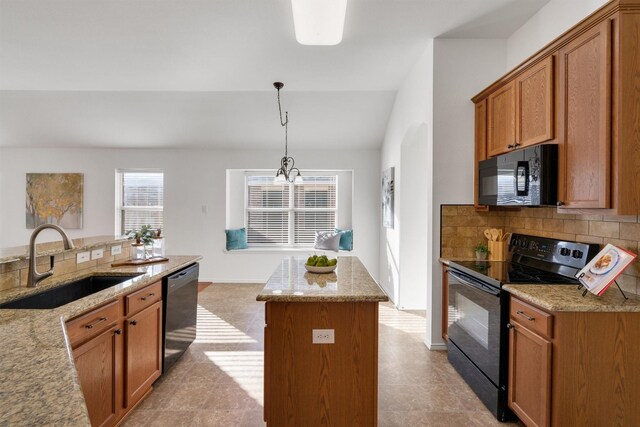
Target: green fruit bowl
(320, 270)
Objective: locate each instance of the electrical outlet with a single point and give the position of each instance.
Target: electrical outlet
(116, 250)
(97, 253)
(83, 257)
(323, 336)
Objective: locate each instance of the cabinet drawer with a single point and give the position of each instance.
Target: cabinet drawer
(531, 317)
(90, 324)
(143, 298)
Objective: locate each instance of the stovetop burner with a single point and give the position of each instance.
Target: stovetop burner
(535, 260)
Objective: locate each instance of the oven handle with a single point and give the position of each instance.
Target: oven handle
(478, 286)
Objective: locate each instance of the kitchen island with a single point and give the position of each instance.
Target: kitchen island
(39, 384)
(335, 380)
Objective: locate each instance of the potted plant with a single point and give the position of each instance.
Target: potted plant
(144, 238)
(481, 250)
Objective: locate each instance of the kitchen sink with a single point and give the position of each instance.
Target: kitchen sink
(61, 295)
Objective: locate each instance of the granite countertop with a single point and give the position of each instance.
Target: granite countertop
(350, 282)
(38, 380)
(569, 298)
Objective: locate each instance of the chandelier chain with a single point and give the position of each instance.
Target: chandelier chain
(285, 124)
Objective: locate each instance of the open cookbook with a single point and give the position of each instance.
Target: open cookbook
(604, 268)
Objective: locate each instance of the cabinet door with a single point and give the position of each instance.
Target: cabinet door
(501, 114)
(144, 352)
(99, 366)
(534, 104)
(585, 120)
(480, 147)
(529, 376)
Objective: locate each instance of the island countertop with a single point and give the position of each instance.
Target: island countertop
(350, 282)
(38, 380)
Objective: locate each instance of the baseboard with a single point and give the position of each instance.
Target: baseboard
(436, 347)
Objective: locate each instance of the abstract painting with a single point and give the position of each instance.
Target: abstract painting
(54, 198)
(387, 197)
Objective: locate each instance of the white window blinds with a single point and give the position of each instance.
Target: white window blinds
(288, 214)
(140, 199)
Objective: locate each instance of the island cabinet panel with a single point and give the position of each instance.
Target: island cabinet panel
(501, 115)
(99, 366)
(321, 384)
(534, 104)
(144, 352)
(585, 120)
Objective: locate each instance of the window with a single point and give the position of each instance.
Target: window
(139, 199)
(289, 214)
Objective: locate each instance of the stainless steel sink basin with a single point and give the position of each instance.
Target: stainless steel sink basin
(61, 295)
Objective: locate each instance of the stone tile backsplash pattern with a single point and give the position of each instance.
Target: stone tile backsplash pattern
(14, 274)
(462, 228)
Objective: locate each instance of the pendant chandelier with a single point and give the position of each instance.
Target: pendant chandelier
(287, 171)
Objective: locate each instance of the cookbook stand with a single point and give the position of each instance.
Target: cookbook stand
(586, 291)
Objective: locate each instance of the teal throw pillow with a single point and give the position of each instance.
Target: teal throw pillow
(346, 239)
(236, 239)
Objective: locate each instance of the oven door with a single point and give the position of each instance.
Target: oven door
(474, 321)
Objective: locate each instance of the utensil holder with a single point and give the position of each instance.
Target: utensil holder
(497, 251)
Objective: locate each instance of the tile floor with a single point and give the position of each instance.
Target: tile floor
(218, 381)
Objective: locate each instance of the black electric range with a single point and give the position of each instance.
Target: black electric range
(478, 339)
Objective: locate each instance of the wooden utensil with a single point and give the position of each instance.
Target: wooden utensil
(487, 234)
(495, 234)
(506, 237)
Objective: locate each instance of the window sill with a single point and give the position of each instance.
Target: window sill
(279, 251)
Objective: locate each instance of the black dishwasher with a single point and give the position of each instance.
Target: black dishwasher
(179, 314)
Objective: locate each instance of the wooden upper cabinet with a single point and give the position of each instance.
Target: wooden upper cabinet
(501, 114)
(480, 147)
(584, 120)
(534, 104)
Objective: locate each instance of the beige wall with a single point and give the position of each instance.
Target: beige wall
(462, 228)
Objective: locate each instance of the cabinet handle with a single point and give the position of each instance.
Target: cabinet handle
(517, 145)
(525, 315)
(510, 146)
(133, 322)
(559, 203)
(117, 331)
(148, 296)
(91, 325)
(509, 326)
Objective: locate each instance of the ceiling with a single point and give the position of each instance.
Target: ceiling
(198, 73)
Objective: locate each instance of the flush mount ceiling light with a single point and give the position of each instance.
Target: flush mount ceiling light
(287, 171)
(319, 22)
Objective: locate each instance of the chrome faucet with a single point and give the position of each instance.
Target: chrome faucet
(35, 277)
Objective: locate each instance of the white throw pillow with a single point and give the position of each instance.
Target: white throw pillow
(327, 240)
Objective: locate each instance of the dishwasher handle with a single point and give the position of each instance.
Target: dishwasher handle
(183, 278)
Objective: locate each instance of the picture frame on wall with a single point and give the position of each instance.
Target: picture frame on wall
(388, 190)
(54, 198)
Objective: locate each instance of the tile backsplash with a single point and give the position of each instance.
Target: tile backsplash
(462, 228)
(14, 274)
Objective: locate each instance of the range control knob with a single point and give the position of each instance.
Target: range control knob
(576, 253)
(565, 252)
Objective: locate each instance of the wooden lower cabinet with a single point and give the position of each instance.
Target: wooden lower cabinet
(99, 366)
(529, 363)
(118, 363)
(144, 352)
(310, 384)
(573, 368)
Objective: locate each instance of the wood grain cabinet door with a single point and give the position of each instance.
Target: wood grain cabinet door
(501, 107)
(144, 352)
(529, 376)
(99, 366)
(584, 120)
(534, 104)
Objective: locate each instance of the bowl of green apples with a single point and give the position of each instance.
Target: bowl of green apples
(321, 264)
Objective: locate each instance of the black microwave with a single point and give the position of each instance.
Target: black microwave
(524, 177)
